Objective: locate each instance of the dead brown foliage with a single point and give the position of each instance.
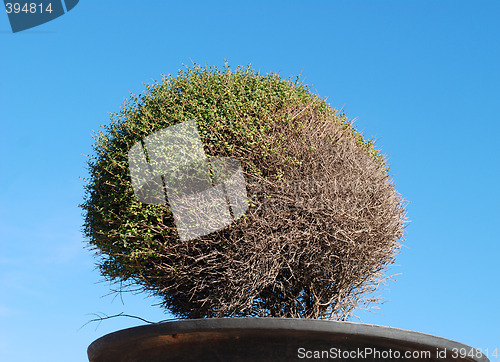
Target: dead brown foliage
(324, 223)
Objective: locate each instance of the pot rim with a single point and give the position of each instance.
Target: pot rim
(354, 331)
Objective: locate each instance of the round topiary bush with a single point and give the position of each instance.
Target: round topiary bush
(323, 220)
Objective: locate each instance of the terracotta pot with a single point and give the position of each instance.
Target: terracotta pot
(274, 339)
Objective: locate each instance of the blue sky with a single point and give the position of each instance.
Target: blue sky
(420, 76)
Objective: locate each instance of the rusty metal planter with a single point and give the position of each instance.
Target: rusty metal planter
(274, 339)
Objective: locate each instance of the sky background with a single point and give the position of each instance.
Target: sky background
(422, 77)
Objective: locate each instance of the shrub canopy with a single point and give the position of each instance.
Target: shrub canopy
(324, 220)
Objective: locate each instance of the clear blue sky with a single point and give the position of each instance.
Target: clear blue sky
(421, 76)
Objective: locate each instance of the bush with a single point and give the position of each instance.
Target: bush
(324, 220)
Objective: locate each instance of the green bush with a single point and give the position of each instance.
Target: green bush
(324, 220)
